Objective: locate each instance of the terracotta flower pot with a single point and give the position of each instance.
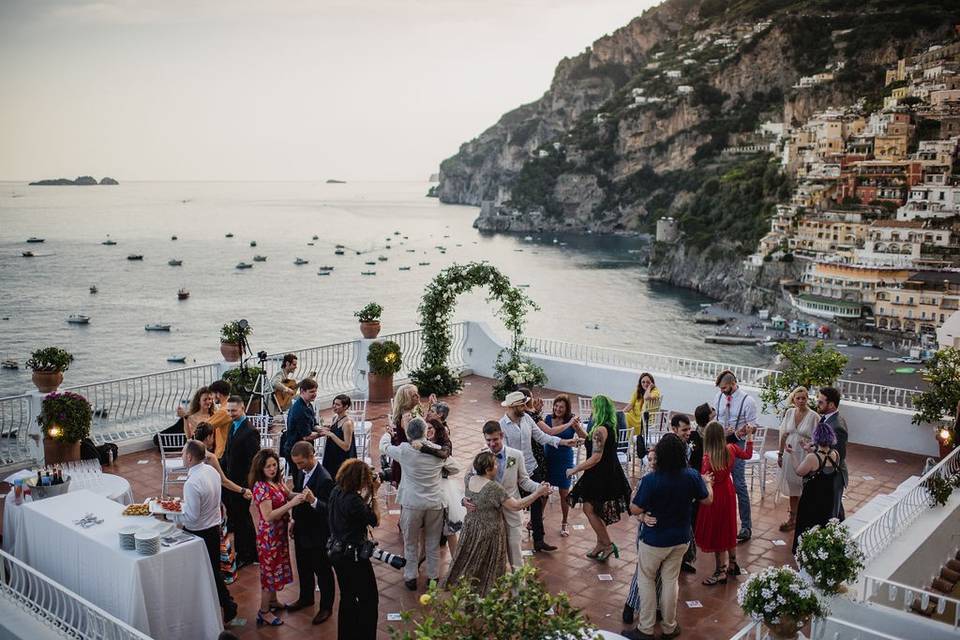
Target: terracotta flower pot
(370, 330)
(56, 451)
(379, 388)
(945, 447)
(47, 381)
(230, 351)
(786, 629)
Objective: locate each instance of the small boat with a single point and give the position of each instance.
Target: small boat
(135, 256)
(300, 261)
(183, 294)
(259, 258)
(315, 238)
(35, 240)
(310, 244)
(338, 252)
(871, 358)
(9, 364)
(411, 250)
(28, 254)
(370, 262)
(93, 288)
(78, 318)
(244, 265)
(528, 239)
(229, 235)
(382, 258)
(339, 246)
(396, 233)
(109, 242)
(173, 262)
(253, 243)
(388, 246)
(173, 237)
(322, 272)
(368, 273)
(424, 264)
(156, 327)
(325, 268)
(404, 268)
(177, 359)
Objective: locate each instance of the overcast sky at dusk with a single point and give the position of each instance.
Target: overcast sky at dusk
(287, 90)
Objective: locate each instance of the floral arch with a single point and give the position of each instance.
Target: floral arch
(436, 311)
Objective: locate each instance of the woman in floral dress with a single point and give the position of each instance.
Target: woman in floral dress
(274, 502)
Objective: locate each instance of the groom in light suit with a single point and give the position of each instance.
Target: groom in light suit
(512, 476)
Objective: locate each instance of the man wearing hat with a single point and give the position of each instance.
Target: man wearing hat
(520, 430)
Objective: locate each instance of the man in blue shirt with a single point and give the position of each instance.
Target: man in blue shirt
(301, 420)
(664, 501)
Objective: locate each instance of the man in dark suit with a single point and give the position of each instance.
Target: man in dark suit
(828, 406)
(301, 420)
(243, 443)
(311, 530)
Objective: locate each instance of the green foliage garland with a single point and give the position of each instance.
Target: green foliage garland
(436, 309)
(518, 607)
(383, 358)
(66, 417)
(818, 367)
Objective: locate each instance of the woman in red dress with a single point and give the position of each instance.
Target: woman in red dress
(716, 530)
(274, 502)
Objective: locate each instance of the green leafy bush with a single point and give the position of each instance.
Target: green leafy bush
(829, 555)
(242, 380)
(233, 332)
(370, 313)
(512, 371)
(383, 358)
(938, 489)
(777, 595)
(438, 379)
(818, 367)
(66, 417)
(50, 359)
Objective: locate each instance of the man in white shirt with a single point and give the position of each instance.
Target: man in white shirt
(201, 515)
(518, 430)
(736, 410)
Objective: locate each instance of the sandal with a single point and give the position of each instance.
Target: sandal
(734, 569)
(279, 606)
(789, 525)
(593, 553)
(276, 622)
(719, 577)
(605, 554)
(563, 530)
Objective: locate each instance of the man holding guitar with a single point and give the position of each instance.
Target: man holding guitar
(284, 385)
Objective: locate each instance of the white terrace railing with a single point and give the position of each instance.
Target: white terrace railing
(902, 597)
(820, 629)
(57, 607)
(16, 417)
(852, 390)
(335, 365)
(879, 532)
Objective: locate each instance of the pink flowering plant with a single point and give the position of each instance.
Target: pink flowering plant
(779, 595)
(829, 556)
(65, 416)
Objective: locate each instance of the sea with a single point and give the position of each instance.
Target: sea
(590, 288)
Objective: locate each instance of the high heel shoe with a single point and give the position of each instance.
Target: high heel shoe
(593, 554)
(734, 569)
(563, 530)
(604, 555)
(276, 622)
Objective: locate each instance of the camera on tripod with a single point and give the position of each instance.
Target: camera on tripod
(262, 356)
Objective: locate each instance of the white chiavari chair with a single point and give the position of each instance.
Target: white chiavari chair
(171, 459)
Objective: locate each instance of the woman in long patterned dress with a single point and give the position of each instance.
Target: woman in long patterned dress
(796, 431)
(482, 554)
(603, 489)
(274, 502)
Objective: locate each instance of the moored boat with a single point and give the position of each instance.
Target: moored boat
(135, 256)
(28, 254)
(35, 240)
(93, 288)
(78, 318)
(244, 265)
(177, 359)
(183, 294)
(173, 262)
(156, 327)
(9, 363)
(300, 261)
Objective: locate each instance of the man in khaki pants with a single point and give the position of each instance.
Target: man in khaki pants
(663, 502)
(420, 500)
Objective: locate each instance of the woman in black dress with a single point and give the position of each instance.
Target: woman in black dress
(340, 446)
(603, 489)
(819, 500)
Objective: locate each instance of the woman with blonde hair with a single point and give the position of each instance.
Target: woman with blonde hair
(406, 407)
(796, 433)
(644, 402)
(716, 530)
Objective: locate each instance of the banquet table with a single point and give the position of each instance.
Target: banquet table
(109, 486)
(168, 596)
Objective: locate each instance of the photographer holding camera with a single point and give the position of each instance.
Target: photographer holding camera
(353, 507)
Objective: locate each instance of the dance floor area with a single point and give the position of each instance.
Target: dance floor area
(703, 612)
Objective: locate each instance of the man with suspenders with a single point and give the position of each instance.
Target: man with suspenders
(736, 410)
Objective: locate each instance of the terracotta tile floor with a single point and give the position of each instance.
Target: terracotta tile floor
(565, 569)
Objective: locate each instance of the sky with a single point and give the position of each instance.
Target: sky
(283, 90)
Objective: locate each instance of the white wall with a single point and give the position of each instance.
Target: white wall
(869, 424)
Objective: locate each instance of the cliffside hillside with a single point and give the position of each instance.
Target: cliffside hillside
(636, 126)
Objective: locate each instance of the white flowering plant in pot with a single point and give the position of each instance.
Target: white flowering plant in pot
(512, 371)
(781, 599)
(830, 556)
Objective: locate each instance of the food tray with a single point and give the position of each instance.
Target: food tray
(155, 508)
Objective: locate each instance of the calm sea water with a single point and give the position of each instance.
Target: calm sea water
(589, 282)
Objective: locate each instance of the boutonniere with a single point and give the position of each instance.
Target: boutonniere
(511, 462)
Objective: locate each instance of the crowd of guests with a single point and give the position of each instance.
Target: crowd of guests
(690, 497)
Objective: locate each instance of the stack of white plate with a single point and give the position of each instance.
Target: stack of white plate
(127, 538)
(148, 542)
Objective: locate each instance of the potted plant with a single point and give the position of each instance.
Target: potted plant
(517, 606)
(232, 336)
(242, 381)
(48, 366)
(830, 556)
(781, 599)
(383, 360)
(512, 371)
(369, 318)
(65, 421)
(941, 397)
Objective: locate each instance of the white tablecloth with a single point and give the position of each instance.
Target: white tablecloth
(108, 485)
(168, 596)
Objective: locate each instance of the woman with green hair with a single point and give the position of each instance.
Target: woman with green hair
(603, 488)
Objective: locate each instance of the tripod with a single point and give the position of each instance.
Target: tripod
(261, 388)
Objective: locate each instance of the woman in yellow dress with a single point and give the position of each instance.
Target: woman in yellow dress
(644, 402)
